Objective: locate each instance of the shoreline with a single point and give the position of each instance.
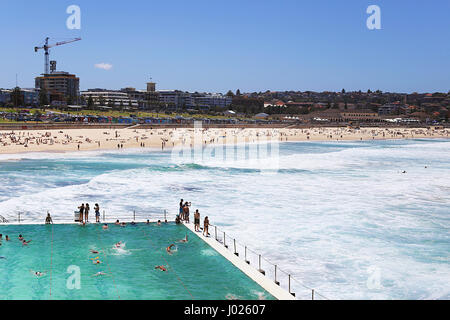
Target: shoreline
(24, 142)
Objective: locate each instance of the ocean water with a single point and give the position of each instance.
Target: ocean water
(341, 217)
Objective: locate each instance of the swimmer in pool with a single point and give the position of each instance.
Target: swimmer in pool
(96, 261)
(169, 248)
(118, 244)
(25, 243)
(105, 226)
(162, 268)
(99, 274)
(20, 237)
(117, 223)
(184, 240)
(94, 251)
(38, 273)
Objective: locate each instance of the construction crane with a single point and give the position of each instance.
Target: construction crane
(46, 46)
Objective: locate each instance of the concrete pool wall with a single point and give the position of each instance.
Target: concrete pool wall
(267, 284)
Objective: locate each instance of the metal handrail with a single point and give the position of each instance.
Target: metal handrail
(274, 269)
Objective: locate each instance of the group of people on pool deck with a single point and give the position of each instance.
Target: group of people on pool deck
(184, 216)
(84, 210)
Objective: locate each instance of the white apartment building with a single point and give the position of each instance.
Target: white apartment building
(212, 100)
(175, 98)
(115, 98)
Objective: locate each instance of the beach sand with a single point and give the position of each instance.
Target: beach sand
(69, 140)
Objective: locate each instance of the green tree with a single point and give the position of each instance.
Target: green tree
(82, 100)
(112, 103)
(101, 100)
(17, 97)
(43, 97)
(90, 102)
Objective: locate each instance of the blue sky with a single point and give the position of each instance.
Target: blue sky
(215, 45)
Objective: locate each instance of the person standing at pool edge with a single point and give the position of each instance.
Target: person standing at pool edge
(181, 209)
(187, 213)
(206, 227)
(97, 213)
(81, 212)
(48, 220)
(86, 212)
(197, 221)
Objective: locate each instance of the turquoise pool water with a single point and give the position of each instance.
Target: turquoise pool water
(195, 270)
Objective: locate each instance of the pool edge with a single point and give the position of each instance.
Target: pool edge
(271, 287)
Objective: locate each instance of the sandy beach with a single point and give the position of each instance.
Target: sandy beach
(69, 140)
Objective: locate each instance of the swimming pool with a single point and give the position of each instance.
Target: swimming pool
(63, 254)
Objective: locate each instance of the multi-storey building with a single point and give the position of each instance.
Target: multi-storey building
(30, 96)
(5, 96)
(175, 99)
(207, 101)
(59, 85)
(114, 99)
